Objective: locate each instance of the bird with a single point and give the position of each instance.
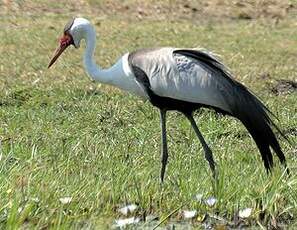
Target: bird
(183, 80)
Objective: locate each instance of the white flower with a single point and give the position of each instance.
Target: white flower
(198, 197)
(210, 201)
(245, 213)
(35, 81)
(128, 209)
(35, 199)
(65, 200)
(188, 214)
(124, 222)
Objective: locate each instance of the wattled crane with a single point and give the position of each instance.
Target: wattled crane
(179, 79)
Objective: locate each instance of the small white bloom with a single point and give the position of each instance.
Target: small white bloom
(128, 209)
(189, 214)
(35, 199)
(65, 200)
(211, 201)
(128, 221)
(198, 197)
(245, 213)
(36, 81)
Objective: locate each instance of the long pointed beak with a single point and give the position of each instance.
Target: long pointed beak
(57, 53)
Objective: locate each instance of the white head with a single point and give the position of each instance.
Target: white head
(74, 31)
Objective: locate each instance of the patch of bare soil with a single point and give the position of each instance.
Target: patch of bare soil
(158, 10)
(251, 9)
(284, 87)
(291, 131)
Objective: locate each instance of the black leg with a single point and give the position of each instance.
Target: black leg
(207, 150)
(164, 151)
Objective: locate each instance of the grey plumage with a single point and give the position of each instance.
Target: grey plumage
(172, 74)
(187, 79)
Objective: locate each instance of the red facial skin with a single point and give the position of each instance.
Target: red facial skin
(65, 41)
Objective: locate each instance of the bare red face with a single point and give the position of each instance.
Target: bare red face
(65, 41)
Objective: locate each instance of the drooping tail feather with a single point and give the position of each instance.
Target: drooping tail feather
(246, 107)
(254, 115)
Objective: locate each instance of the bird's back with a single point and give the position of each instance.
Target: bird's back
(175, 75)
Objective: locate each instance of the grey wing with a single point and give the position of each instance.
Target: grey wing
(178, 74)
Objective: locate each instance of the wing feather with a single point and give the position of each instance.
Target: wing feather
(196, 83)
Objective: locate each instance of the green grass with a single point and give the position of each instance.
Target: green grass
(63, 135)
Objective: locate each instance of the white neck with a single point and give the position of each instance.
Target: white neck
(102, 75)
(119, 75)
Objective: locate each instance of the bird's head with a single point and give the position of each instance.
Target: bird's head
(73, 33)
